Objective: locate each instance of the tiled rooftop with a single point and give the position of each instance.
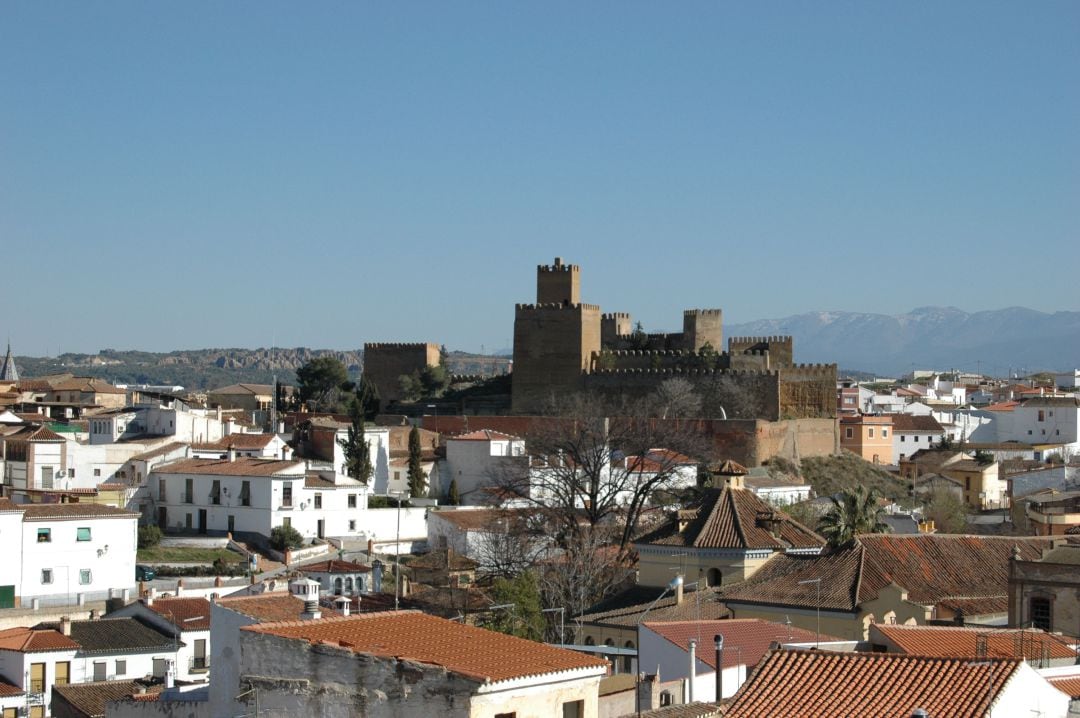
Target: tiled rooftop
(335, 566)
(237, 441)
(735, 519)
(35, 640)
(45, 512)
(746, 640)
(7, 690)
(408, 635)
(107, 635)
(187, 614)
(241, 466)
(90, 698)
(625, 609)
(483, 435)
(961, 642)
(912, 422)
(933, 569)
(267, 607)
(480, 519)
(811, 683)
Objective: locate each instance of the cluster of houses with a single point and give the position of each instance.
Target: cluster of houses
(734, 607)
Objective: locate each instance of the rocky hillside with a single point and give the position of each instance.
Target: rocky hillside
(198, 369)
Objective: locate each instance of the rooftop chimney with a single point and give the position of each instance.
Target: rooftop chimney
(678, 581)
(170, 673)
(307, 590)
(65, 625)
(232, 453)
(693, 671)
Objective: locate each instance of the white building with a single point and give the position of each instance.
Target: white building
(913, 432)
(477, 459)
(69, 553)
(187, 621)
(1047, 420)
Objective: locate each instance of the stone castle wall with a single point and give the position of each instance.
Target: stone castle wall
(384, 362)
(558, 283)
(741, 394)
(808, 391)
(779, 347)
(553, 347)
(701, 327)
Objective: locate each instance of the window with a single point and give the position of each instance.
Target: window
(884, 433)
(870, 433)
(121, 668)
(1029, 432)
(352, 524)
(914, 438)
(161, 489)
(46, 575)
(904, 438)
(287, 521)
(159, 668)
(318, 501)
(82, 533)
(71, 473)
(849, 433)
(187, 521)
(1040, 613)
(44, 535)
(573, 709)
(215, 492)
(1042, 415)
(245, 493)
(97, 472)
(189, 491)
(63, 673)
(286, 494)
(99, 671)
(352, 501)
(85, 577)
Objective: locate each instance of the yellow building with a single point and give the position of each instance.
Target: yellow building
(869, 437)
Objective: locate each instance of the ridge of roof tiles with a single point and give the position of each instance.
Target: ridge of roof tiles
(35, 640)
(476, 653)
(187, 614)
(962, 641)
(820, 683)
(731, 518)
(753, 637)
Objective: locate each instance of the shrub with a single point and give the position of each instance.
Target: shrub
(285, 537)
(149, 536)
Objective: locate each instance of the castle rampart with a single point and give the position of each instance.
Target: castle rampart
(385, 362)
(703, 327)
(780, 347)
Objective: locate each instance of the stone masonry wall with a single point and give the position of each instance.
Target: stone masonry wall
(553, 346)
(385, 362)
(808, 391)
(779, 347)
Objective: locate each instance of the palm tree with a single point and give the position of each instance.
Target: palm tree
(854, 512)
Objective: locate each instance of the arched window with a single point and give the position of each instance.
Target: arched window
(337, 586)
(609, 642)
(713, 577)
(666, 698)
(589, 641)
(348, 585)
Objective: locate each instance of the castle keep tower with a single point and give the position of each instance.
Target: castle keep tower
(385, 362)
(701, 327)
(558, 283)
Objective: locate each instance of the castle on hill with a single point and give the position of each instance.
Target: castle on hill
(563, 346)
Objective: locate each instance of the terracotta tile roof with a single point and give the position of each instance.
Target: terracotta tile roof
(1069, 685)
(53, 512)
(811, 683)
(732, 468)
(35, 640)
(732, 518)
(242, 466)
(36, 434)
(237, 441)
(267, 607)
(109, 635)
(159, 451)
(933, 569)
(655, 461)
(335, 566)
(7, 690)
(90, 698)
(911, 422)
(960, 642)
(8, 506)
(1066, 401)
(187, 614)
(89, 385)
(476, 653)
(751, 636)
(483, 435)
(625, 609)
(244, 389)
(1002, 406)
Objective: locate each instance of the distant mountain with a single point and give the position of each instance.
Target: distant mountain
(930, 338)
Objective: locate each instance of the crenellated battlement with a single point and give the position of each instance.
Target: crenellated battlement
(398, 345)
(550, 306)
(558, 268)
(683, 371)
(780, 338)
(612, 316)
(703, 312)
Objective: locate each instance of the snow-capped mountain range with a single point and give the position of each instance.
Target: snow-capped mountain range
(996, 342)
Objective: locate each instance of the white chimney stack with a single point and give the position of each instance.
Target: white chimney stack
(693, 671)
(307, 591)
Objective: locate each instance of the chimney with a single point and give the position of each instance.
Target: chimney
(232, 453)
(179, 587)
(170, 674)
(678, 590)
(93, 614)
(307, 590)
(150, 596)
(693, 671)
(65, 625)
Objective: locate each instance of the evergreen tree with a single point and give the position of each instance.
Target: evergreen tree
(416, 472)
(524, 617)
(452, 497)
(355, 447)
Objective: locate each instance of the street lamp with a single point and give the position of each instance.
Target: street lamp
(817, 633)
(397, 547)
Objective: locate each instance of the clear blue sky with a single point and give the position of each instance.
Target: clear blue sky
(185, 175)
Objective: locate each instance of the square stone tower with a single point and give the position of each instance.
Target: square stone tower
(558, 283)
